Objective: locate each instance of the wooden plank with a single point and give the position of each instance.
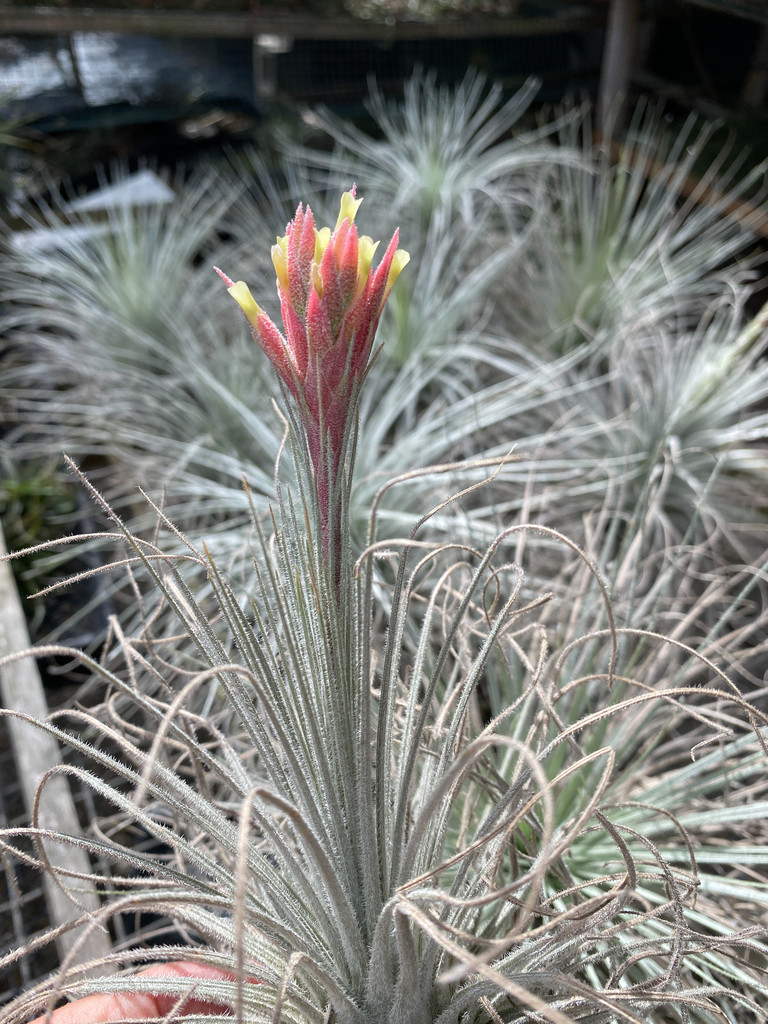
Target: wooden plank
(36, 753)
(48, 20)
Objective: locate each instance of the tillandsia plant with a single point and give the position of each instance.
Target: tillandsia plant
(410, 799)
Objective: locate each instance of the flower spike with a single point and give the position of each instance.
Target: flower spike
(331, 303)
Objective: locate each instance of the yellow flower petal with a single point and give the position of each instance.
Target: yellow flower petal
(280, 263)
(240, 292)
(366, 247)
(322, 238)
(349, 207)
(399, 260)
(317, 280)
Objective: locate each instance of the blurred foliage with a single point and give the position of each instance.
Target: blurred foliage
(36, 498)
(34, 494)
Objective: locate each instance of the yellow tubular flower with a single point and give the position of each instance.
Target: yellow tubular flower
(279, 261)
(349, 207)
(400, 259)
(241, 293)
(317, 281)
(365, 252)
(322, 238)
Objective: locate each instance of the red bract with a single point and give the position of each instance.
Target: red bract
(331, 302)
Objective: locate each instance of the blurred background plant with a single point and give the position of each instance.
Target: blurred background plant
(440, 153)
(12, 139)
(635, 235)
(37, 500)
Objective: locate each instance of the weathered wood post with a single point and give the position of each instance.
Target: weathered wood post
(36, 753)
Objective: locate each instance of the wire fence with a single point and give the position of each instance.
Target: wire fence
(23, 907)
(24, 910)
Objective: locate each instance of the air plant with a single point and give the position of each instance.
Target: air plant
(442, 152)
(635, 235)
(427, 792)
(672, 438)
